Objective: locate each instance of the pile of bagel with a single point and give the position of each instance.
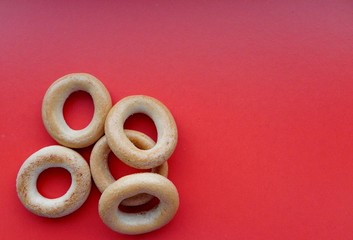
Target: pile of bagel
(106, 131)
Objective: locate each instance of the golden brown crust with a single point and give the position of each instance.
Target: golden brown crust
(142, 222)
(122, 146)
(52, 109)
(100, 169)
(53, 156)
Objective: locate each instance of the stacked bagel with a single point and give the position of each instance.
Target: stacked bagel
(106, 131)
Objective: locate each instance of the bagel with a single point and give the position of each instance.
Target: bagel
(141, 222)
(53, 103)
(100, 170)
(50, 157)
(124, 149)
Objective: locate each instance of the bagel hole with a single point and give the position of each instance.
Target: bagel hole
(78, 110)
(119, 169)
(142, 123)
(54, 182)
(153, 203)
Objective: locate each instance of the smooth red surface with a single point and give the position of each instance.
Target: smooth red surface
(262, 92)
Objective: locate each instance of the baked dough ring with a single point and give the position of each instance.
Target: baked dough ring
(142, 222)
(124, 149)
(52, 110)
(100, 169)
(49, 157)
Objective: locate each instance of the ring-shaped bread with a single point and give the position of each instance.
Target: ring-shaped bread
(100, 170)
(124, 149)
(141, 222)
(51, 157)
(53, 103)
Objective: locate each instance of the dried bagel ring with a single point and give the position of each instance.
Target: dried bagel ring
(49, 157)
(124, 149)
(142, 222)
(100, 169)
(52, 110)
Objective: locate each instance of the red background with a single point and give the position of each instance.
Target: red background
(262, 93)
